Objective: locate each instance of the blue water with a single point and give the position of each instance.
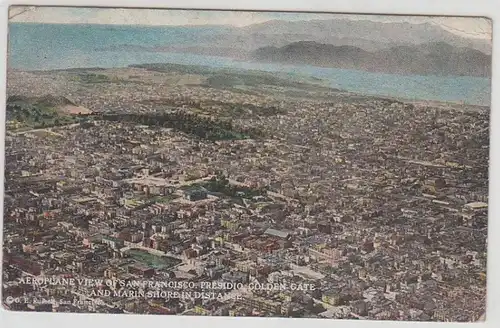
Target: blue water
(51, 46)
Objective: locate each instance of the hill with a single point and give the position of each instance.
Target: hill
(40, 112)
(435, 58)
(366, 34)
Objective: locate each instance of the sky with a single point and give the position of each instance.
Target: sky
(464, 26)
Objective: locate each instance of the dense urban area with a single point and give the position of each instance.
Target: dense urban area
(163, 189)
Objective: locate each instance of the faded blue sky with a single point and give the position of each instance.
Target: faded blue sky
(468, 27)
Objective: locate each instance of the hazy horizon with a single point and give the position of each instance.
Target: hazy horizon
(468, 27)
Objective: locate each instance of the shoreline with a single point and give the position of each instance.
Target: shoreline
(242, 55)
(300, 78)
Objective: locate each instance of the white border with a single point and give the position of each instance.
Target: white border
(410, 7)
(485, 8)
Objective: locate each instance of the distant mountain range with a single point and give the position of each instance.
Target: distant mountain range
(436, 58)
(404, 48)
(365, 34)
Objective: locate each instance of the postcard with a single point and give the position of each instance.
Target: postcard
(247, 164)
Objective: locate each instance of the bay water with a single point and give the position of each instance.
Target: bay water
(62, 46)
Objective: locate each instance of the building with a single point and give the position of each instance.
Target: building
(141, 270)
(325, 227)
(278, 233)
(331, 297)
(262, 304)
(194, 195)
(114, 243)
